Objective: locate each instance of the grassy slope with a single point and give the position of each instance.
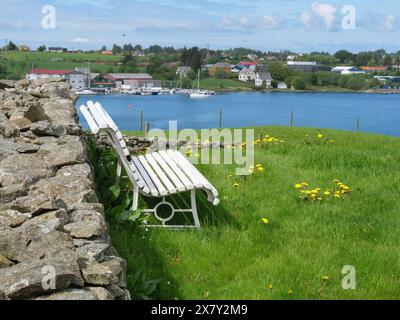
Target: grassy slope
(235, 257)
(225, 84)
(98, 62)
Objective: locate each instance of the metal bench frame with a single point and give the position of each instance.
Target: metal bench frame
(156, 175)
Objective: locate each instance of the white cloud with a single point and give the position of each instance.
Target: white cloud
(80, 40)
(320, 16)
(388, 24)
(326, 11)
(251, 22)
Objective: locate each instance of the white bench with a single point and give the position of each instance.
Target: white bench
(158, 174)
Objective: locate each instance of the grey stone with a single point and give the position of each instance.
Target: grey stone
(4, 262)
(13, 218)
(37, 204)
(103, 274)
(101, 293)
(118, 293)
(64, 151)
(11, 192)
(98, 250)
(24, 168)
(43, 128)
(7, 84)
(27, 147)
(72, 294)
(84, 230)
(25, 280)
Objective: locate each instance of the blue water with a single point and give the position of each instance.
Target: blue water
(377, 113)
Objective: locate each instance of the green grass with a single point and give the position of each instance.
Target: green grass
(225, 85)
(21, 62)
(234, 256)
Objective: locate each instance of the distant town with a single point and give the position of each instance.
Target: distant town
(134, 70)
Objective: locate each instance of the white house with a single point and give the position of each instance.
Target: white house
(282, 86)
(38, 74)
(347, 70)
(247, 75)
(263, 78)
(259, 76)
(183, 71)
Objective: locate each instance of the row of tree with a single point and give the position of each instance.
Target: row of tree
(303, 80)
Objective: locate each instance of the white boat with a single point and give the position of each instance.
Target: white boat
(85, 92)
(200, 94)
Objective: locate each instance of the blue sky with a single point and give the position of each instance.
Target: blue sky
(299, 25)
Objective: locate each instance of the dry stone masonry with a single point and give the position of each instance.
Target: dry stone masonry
(54, 240)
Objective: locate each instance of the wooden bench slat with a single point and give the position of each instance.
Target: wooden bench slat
(153, 176)
(160, 173)
(89, 118)
(197, 173)
(186, 169)
(182, 176)
(169, 172)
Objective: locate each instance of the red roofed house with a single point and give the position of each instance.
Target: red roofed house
(77, 80)
(37, 74)
(374, 69)
(248, 64)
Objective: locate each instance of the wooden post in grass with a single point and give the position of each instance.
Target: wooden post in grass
(220, 119)
(141, 120)
(291, 119)
(358, 125)
(146, 128)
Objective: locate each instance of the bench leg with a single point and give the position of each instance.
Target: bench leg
(194, 209)
(135, 198)
(118, 175)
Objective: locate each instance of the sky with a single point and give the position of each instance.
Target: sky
(297, 25)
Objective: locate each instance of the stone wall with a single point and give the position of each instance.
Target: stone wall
(54, 240)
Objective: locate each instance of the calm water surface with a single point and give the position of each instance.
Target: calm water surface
(377, 113)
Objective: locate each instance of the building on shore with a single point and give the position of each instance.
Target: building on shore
(77, 80)
(24, 48)
(347, 70)
(38, 74)
(57, 49)
(307, 66)
(133, 80)
(224, 67)
(374, 69)
(182, 72)
(257, 74)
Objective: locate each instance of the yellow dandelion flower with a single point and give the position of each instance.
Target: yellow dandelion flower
(325, 278)
(260, 169)
(290, 292)
(236, 185)
(264, 221)
(337, 195)
(298, 186)
(327, 193)
(320, 136)
(304, 184)
(270, 287)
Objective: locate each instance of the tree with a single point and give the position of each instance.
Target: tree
(116, 49)
(11, 46)
(298, 83)
(127, 47)
(344, 56)
(42, 48)
(103, 48)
